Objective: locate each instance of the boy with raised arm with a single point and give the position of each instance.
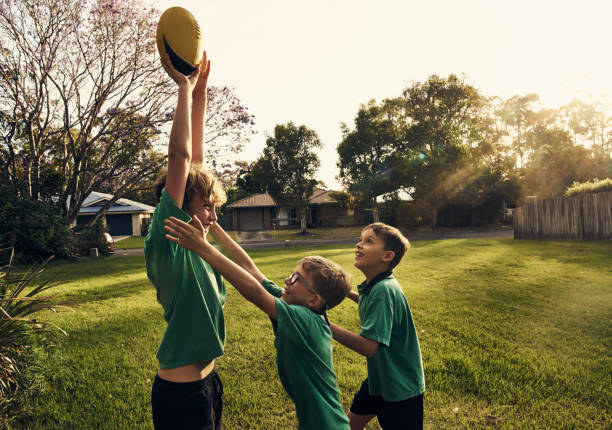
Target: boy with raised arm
(298, 314)
(393, 390)
(187, 391)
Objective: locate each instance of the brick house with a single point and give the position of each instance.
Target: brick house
(260, 212)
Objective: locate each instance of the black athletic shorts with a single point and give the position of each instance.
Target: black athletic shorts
(404, 415)
(188, 405)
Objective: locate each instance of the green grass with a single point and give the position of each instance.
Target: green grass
(322, 233)
(138, 241)
(130, 243)
(518, 330)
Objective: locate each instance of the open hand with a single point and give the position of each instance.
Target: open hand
(188, 236)
(177, 76)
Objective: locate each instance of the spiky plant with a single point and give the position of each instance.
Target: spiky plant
(20, 298)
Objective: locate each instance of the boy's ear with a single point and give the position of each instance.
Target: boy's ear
(316, 302)
(388, 256)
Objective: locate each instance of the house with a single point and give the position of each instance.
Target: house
(260, 212)
(124, 218)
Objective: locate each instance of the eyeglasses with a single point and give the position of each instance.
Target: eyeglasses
(295, 276)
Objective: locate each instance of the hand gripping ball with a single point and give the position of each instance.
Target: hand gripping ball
(179, 35)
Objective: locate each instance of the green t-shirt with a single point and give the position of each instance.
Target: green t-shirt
(304, 360)
(395, 371)
(191, 292)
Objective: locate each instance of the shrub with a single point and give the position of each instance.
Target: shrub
(35, 229)
(92, 237)
(595, 186)
(17, 327)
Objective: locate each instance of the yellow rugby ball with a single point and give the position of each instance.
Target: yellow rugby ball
(179, 35)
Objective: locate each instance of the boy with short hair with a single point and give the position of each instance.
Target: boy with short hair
(187, 391)
(302, 337)
(393, 390)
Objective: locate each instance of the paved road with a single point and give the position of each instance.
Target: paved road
(320, 242)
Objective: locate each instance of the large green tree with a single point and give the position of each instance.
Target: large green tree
(445, 121)
(368, 152)
(291, 163)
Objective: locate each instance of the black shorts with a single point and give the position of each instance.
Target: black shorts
(188, 405)
(405, 414)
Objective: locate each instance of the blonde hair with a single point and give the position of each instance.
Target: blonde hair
(200, 182)
(330, 280)
(393, 239)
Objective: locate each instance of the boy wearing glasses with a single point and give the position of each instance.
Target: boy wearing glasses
(302, 336)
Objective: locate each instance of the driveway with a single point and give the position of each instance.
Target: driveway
(270, 244)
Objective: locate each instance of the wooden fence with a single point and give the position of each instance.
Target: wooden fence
(584, 216)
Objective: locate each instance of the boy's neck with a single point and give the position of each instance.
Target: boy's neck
(373, 272)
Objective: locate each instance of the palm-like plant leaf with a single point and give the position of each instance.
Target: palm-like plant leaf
(20, 299)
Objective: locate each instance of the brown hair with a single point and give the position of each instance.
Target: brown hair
(200, 181)
(330, 280)
(393, 239)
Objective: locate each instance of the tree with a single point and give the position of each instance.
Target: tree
(518, 116)
(291, 164)
(445, 121)
(557, 163)
(228, 127)
(84, 99)
(589, 124)
(367, 153)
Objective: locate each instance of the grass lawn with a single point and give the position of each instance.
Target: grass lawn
(520, 331)
(138, 241)
(355, 231)
(130, 243)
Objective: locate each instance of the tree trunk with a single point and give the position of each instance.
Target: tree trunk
(375, 217)
(434, 218)
(303, 228)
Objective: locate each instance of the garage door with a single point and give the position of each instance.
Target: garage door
(120, 224)
(250, 219)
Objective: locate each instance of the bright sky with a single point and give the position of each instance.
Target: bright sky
(314, 62)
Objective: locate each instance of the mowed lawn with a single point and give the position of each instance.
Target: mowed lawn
(513, 333)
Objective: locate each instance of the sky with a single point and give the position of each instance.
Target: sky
(315, 62)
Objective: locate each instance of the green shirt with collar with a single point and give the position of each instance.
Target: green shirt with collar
(395, 371)
(304, 361)
(191, 292)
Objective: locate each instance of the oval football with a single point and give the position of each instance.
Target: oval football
(179, 35)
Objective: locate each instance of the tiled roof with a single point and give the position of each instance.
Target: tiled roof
(254, 201)
(319, 196)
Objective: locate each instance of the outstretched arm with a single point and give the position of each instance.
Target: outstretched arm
(236, 252)
(198, 111)
(179, 147)
(191, 237)
(354, 341)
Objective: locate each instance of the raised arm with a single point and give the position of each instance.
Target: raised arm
(236, 252)
(191, 237)
(179, 147)
(198, 111)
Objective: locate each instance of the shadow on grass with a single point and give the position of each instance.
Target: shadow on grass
(68, 271)
(96, 293)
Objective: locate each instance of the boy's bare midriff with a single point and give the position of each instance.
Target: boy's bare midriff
(188, 373)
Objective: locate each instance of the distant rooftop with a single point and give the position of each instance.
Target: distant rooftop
(319, 196)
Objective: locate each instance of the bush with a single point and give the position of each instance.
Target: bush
(595, 186)
(36, 230)
(92, 237)
(17, 328)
